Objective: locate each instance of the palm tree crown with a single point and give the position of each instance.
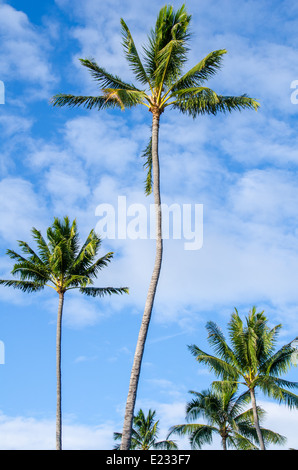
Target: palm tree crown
(145, 434)
(161, 72)
(60, 263)
(251, 360)
(227, 416)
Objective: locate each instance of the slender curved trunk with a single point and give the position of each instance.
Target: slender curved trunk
(58, 373)
(136, 368)
(256, 418)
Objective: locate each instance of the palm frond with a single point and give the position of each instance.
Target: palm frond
(124, 98)
(165, 445)
(208, 102)
(98, 265)
(217, 340)
(170, 26)
(43, 249)
(34, 258)
(104, 78)
(169, 62)
(89, 102)
(86, 255)
(28, 269)
(274, 387)
(102, 291)
(217, 365)
(272, 437)
(201, 72)
(25, 286)
(133, 56)
(240, 442)
(279, 362)
(191, 92)
(147, 154)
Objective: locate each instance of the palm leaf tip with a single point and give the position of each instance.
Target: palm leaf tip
(25, 286)
(147, 154)
(102, 291)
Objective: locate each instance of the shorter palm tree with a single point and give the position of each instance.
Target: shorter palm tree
(145, 434)
(62, 265)
(227, 416)
(251, 360)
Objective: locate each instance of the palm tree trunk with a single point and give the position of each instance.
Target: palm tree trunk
(58, 373)
(136, 368)
(256, 418)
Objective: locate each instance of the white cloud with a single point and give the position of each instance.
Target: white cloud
(281, 419)
(21, 208)
(14, 125)
(66, 188)
(23, 51)
(100, 139)
(27, 433)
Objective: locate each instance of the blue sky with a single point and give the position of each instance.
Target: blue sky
(56, 162)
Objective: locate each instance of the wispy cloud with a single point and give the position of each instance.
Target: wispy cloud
(23, 53)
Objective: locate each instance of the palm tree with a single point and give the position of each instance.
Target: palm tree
(164, 84)
(62, 265)
(145, 434)
(250, 360)
(227, 416)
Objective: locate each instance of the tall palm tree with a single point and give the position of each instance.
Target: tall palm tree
(62, 265)
(227, 416)
(145, 434)
(250, 360)
(164, 85)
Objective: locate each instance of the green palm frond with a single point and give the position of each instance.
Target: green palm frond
(240, 442)
(147, 154)
(85, 256)
(124, 98)
(208, 102)
(104, 78)
(201, 72)
(279, 362)
(217, 365)
(132, 55)
(171, 29)
(274, 387)
(202, 435)
(199, 434)
(26, 249)
(272, 437)
(25, 286)
(89, 102)
(27, 268)
(28, 271)
(102, 262)
(184, 94)
(167, 70)
(73, 281)
(217, 339)
(43, 249)
(102, 291)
